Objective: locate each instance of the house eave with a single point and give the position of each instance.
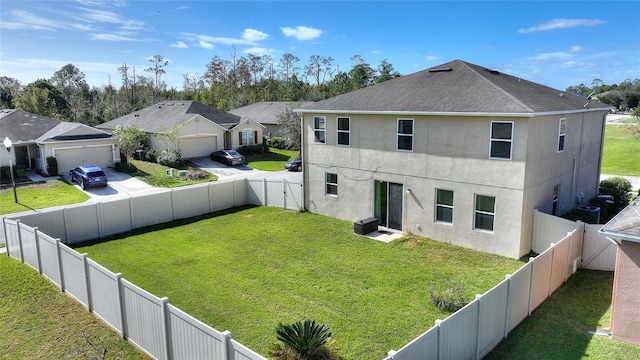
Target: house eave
(449, 113)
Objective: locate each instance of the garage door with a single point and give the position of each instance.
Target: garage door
(199, 146)
(69, 158)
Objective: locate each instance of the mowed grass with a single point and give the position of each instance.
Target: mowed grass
(621, 151)
(559, 328)
(249, 269)
(39, 196)
(273, 161)
(156, 175)
(37, 321)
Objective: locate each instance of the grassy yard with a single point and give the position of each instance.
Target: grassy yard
(621, 151)
(274, 161)
(39, 322)
(39, 196)
(156, 175)
(558, 329)
(248, 269)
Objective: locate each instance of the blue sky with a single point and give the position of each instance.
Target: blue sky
(557, 43)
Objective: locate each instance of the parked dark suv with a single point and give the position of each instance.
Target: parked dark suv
(88, 176)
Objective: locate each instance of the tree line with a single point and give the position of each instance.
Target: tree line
(226, 84)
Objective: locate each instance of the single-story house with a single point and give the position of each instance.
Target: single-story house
(202, 129)
(36, 137)
(457, 153)
(624, 231)
(266, 113)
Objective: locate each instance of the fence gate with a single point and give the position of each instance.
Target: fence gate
(598, 252)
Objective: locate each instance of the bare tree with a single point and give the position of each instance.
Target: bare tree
(287, 64)
(159, 62)
(318, 68)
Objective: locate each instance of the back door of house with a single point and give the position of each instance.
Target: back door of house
(388, 204)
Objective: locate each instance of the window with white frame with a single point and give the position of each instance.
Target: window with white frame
(319, 128)
(501, 140)
(444, 206)
(405, 134)
(343, 130)
(248, 137)
(562, 130)
(331, 181)
(485, 212)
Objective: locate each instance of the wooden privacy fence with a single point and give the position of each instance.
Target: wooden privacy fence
(473, 331)
(150, 323)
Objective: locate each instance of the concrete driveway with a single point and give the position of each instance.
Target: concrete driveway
(119, 184)
(223, 171)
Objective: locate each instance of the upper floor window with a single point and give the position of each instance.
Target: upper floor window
(248, 137)
(343, 130)
(501, 140)
(485, 212)
(562, 129)
(331, 181)
(405, 134)
(444, 206)
(319, 128)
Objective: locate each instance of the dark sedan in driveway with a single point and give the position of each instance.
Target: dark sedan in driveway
(88, 176)
(229, 157)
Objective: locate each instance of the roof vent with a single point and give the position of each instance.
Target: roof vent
(435, 70)
(495, 72)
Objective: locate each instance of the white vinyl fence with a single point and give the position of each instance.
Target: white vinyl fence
(152, 324)
(473, 331)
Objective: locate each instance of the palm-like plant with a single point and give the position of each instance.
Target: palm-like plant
(302, 341)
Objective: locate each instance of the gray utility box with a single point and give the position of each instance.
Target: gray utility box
(365, 226)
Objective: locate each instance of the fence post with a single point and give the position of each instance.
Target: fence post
(6, 236)
(227, 349)
(531, 278)
(437, 323)
(87, 278)
(284, 193)
(123, 310)
(166, 327)
(20, 240)
(507, 307)
(568, 259)
(60, 265)
(99, 220)
(265, 191)
(553, 260)
(37, 239)
(479, 299)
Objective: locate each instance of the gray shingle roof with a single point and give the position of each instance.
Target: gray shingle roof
(265, 112)
(160, 116)
(456, 87)
(23, 126)
(625, 225)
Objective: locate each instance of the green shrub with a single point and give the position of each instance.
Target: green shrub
(126, 168)
(197, 174)
(20, 171)
(450, 299)
(152, 155)
(52, 166)
(575, 215)
(170, 159)
(5, 172)
(620, 188)
(252, 149)
(303, 341)
(279, 143)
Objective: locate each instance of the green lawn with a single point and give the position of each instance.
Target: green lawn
(274, 161)
(37, 321)
(39, 196)
(621, 151)
(156, 175)
(558, 329)
(246, 270)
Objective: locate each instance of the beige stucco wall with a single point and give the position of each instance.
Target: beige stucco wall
(247, 125)
(625, 313)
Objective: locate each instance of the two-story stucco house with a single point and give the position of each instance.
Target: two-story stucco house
(456, 153)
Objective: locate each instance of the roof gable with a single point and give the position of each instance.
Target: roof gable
(158, 117)
(265, 112)
(23, 126)
(457, 87)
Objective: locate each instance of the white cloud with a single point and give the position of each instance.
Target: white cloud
(576, 64)
(575, 49)
(217, 40)
(301, 32)
(205, 45)
(432, 58)
(558, 55)
(103, 16)
(253, 35)
(179, 45)
(562, 24)
(113, 37)
(260, 51)
(27, 20)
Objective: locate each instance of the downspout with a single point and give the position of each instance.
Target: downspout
(604, 127)
(305, 173)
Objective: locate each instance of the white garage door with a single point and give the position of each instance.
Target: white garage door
(69, 158)
(200, 146)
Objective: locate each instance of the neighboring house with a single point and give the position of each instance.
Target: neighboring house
(36, 137)
(456, 153)
(624, 230)
(266, 113)
(202, 129)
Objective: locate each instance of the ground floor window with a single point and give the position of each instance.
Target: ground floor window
(484, 212)
(444, 206)
(331, 181)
